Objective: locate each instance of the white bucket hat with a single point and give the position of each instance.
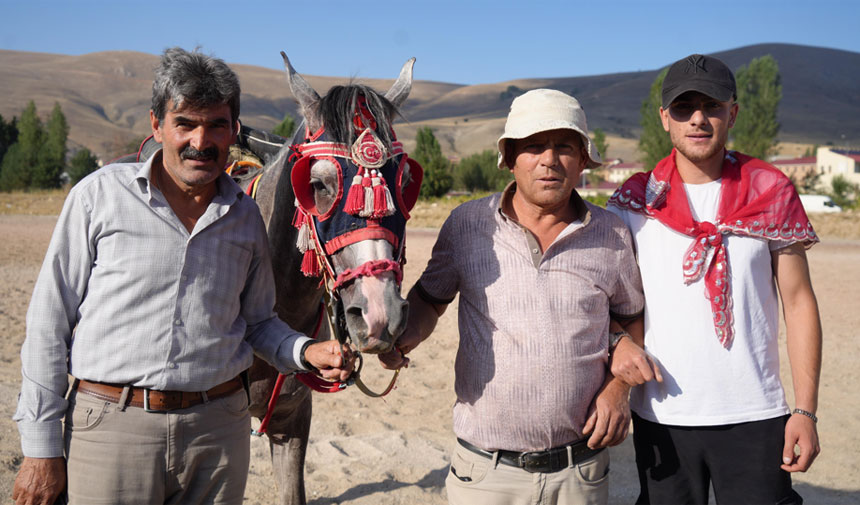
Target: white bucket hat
(542, 110)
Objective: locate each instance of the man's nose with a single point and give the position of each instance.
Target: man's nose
(549, 156)
(698, 116)
(198, 138)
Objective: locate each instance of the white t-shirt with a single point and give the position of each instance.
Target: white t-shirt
(705, 383)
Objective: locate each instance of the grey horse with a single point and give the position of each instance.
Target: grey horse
(373, 308)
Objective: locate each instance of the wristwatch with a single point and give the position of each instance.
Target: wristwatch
(304, 362)
(615, 337)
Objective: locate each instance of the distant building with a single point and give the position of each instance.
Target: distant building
(618, 171)
(832, 162)
(796, 168)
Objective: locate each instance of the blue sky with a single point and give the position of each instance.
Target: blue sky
(468, 42)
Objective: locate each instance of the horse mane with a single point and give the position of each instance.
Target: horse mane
(337, 107)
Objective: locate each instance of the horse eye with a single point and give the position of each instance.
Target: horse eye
(319, 186)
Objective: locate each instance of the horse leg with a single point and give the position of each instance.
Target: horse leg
(287, 430)
(288, 442)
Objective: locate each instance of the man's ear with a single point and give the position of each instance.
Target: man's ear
(156, 126)
(664, 117)
(733, 114)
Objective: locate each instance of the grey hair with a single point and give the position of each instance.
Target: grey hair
(337, 107)
(193, 79)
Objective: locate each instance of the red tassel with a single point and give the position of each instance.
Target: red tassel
(298, 218)
(355, 197)
(310, 265)
(383, 204)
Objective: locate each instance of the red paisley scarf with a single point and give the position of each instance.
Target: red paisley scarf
(756, 200)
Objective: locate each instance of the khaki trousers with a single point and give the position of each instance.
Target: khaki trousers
(198, 455)
(476, 480)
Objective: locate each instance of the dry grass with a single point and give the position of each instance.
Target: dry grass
(426, 214)
(33, 203)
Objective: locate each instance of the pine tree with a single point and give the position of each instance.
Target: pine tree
(8, 135)
(285, 128)
(21, 159)
(599, 138)
(82, 164)
(654, 142)
(759, 94)
(52, 154)
(437, 169)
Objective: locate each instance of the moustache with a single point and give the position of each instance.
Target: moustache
(190, 153)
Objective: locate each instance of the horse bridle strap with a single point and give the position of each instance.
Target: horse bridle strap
(369, 269)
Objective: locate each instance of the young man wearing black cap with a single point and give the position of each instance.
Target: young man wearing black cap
(720, 239)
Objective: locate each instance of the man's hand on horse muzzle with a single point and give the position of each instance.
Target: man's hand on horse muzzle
(332, 360)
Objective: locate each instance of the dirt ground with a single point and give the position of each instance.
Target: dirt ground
(395, 451)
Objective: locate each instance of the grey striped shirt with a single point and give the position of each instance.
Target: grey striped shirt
(126, 295)
(533, 326)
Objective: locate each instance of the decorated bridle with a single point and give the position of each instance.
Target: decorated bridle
(381, 181)
(377, 181)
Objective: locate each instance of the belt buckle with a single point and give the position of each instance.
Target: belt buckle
(146, 406)
(534, 462)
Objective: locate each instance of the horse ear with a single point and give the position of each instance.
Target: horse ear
(304, 93)
(401, 88)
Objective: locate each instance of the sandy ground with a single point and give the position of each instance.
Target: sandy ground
(393, 451)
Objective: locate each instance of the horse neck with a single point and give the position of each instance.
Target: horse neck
(298, 297)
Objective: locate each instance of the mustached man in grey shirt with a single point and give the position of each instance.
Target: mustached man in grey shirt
(155, 293)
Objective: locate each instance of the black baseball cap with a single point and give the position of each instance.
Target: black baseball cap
(701, 73)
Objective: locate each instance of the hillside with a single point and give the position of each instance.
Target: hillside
(105, 97)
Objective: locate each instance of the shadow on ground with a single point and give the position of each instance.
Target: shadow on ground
(433, 479)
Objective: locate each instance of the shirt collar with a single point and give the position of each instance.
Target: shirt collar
(227, 191)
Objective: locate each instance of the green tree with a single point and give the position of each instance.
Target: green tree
(52, 153)
(8, 134)
(599, 138)
(654, 142)
(480, 172)
(285, 128)
(12, 175)
(22, 158)
(437, 169)
(759, 93)
(844, 193)
(82, 164)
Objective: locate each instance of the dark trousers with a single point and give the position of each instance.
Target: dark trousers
(677, 464)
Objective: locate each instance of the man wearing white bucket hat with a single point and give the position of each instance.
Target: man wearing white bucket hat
(539, 272)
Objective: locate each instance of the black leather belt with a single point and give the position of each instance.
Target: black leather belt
(548, 461)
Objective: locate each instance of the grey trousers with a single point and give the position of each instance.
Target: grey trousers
(198, 455)
(476, 480)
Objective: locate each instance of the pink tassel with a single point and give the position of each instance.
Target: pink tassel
(355, 198)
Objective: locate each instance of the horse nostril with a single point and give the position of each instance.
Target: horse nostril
(355, 320)
(399, 324)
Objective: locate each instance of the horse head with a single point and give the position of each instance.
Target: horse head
(354, 187)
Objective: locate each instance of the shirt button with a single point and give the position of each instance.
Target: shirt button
(178, 322)
(534, 251)
(171, 365)
(184, 277)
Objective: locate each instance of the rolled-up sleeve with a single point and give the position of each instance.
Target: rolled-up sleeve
(627, 300)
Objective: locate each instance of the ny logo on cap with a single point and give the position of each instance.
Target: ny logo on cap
(695, 62)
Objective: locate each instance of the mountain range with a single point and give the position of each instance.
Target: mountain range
(106, 96)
